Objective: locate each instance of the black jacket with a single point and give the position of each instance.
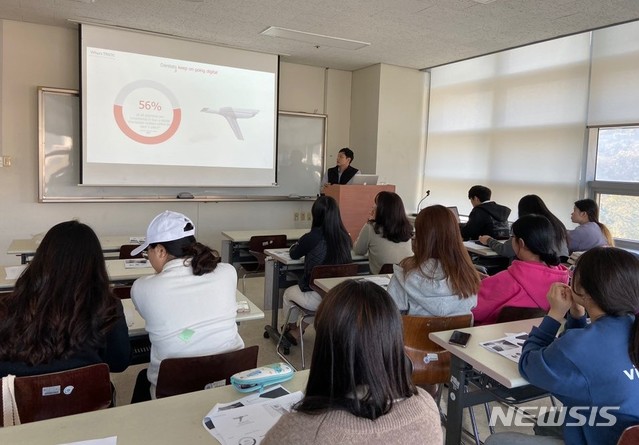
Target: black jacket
(488, 218)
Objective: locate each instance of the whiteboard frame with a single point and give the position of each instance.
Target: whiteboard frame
(164, 194)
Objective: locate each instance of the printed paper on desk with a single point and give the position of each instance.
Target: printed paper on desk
(113, 440)
(380, 281)
(243, 306)
(14, 272)
(135, 263)
(272, 392)
(509, 346)
(249, 424)
(282, 253)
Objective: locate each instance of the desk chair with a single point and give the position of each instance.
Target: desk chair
(322, 271)
(430, 362)
(189, 374)
(126, 249)
(257, 245)
(386, 268)
(630, 436)
(513, 313)
(124, 290)
(58, 394)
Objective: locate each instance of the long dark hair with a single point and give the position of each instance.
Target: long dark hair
(338, 242)
(62, 302)
(534, 205)
(202, 258)
(539, 236)
(390, 218)
(611, 277)
(592, 210)
(359, 346)
(437, 236)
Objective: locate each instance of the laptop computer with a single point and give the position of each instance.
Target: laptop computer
(364, 180)
(455, 212)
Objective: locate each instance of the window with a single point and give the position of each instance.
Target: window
(615, 181)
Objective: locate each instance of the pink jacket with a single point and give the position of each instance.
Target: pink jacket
(523, 284)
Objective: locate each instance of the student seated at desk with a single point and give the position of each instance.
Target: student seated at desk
(328, 242)
(486, 217)
(386, 237)
(590, 232)
(189, 306)
(61, 314)
(591, 366)
(359, 388)
(526, 281)
(439, 279)
(530, 205)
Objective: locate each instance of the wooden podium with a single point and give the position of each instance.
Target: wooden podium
(355, 203)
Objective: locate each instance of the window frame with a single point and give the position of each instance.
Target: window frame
(595, 188)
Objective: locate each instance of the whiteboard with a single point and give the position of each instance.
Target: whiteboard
(300, 160)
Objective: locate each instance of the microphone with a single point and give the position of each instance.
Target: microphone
(422, 200)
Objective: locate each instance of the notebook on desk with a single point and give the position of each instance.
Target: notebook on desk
(364, 180)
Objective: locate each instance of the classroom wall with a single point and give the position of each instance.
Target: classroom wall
(401, 132)
(36, 55)
(388, 126)
(364, 117)
(338, 109)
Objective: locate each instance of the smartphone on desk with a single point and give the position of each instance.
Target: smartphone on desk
(459, 338)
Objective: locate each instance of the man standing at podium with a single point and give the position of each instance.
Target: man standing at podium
(342, 173)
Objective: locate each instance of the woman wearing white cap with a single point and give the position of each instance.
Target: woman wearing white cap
(189, 305)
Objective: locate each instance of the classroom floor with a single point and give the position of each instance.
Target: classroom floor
(252, 334)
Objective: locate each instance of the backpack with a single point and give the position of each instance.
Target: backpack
(500, 229)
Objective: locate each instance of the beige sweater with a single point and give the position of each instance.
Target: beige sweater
(380, 250)
(413, 420)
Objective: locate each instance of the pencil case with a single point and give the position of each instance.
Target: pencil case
(256, 379)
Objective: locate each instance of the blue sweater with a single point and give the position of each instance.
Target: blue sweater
(587, 366)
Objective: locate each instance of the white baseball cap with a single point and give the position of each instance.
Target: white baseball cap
(167, 226)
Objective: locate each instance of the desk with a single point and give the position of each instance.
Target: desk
(278, 264)
(481, 367)
(137, 332)
(26, 248)
(326, 284)
(115, 269)
(171, 420)
(237, 241)
(137, 325)
(139, 339)
(479, 249)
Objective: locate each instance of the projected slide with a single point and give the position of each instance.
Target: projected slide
(148, 110)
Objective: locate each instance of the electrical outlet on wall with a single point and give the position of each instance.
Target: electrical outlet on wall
(296, 216)
(308, 216)
(6, 161)
(303, 216)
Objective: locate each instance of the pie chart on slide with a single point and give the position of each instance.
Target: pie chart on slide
(147, 112)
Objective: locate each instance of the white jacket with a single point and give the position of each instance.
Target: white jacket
(187, 315)
(427, 292)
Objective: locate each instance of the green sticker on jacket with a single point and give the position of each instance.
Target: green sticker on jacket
(186, 335)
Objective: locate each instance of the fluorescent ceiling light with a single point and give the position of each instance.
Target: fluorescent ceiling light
(314, 39)
(484, 2)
